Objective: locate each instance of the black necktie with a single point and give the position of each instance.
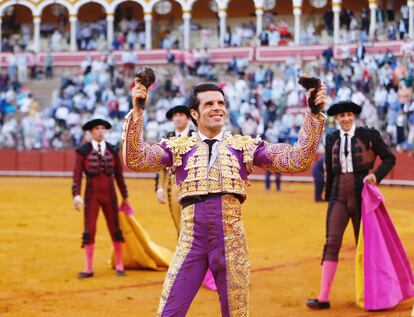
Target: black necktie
(99, 150)
(346, 145)
(210, 146)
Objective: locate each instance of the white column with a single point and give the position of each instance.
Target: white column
(109, 29)
(187, 29)
(410, 4)
(148, 30)
(36, 33)
(336, 8)
(259, 23)
(73, 19)
(223, 27)
(373, 5)
(297, 12)
(1, 40)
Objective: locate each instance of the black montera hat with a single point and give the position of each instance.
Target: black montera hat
(344, 106)
(178, 109)
(94, 122)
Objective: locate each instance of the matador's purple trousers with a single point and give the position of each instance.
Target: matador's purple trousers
(212, 235)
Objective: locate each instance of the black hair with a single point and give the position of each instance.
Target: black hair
(194, 102)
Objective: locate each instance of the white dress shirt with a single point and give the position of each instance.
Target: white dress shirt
(96, 148)
(214, 151)
(182, 133)
(346, 162)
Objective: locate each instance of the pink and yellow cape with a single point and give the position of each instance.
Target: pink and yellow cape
(139, 251)
(383, 273)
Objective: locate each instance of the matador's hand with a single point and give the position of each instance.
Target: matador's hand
(320, 99)
(138, 91)
(161, 196)
(125, 202)
(78, 202)
(370, 179)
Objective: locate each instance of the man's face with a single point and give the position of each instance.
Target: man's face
(345, 120)
(180, 120)
(98, 133)
(212, 112)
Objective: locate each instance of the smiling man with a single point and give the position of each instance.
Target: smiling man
(211, 169)
(349, 158)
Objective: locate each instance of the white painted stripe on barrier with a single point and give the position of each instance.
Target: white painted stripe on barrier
(301, 179)
(285, 178)
(66, 174)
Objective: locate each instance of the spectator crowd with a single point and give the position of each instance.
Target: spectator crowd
(263, 99)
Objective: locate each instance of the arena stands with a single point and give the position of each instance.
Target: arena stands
(263, 99)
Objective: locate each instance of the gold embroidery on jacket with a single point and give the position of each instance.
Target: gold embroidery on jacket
(299, 157)
(180, 146)
(196, 167)
(137, 154)
(237, 257)
(244, 143)
(223, 176)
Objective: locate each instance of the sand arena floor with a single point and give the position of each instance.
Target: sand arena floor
(40, 253)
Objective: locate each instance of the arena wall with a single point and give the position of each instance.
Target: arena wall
(60, 163)
(219, 55)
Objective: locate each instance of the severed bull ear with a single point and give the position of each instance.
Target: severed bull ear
(309, 82)
(146, 77)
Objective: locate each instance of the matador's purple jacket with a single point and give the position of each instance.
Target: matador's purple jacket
(212, 233)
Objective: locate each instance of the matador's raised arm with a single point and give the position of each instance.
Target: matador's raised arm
(138, 154)
(286, 158)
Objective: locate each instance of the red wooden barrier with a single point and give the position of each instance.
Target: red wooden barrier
(217, 55)
(63, 161)
(8, 160)
(28, 161)
(53, 161)
(69, 160)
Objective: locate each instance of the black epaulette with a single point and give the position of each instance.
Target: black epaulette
(112, 148)
(331, 137)
(374, 131)
(365, 135)
(84, 149)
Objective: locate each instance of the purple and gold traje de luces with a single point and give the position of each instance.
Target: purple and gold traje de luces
(212, 232)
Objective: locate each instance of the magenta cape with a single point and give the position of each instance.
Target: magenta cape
(384, 275)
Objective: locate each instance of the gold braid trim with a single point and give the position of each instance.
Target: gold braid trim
(180, 146)
(244, 143)
(137, 154)
(299, 157)
(237, 257)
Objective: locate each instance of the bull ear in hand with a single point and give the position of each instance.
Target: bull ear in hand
(146, 77)
(308, 82)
